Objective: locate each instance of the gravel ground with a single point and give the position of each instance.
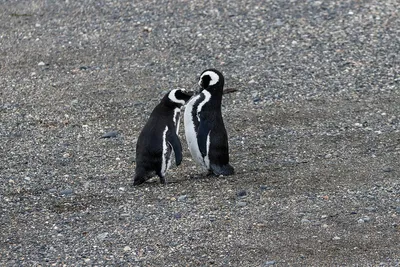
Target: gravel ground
(314, 133)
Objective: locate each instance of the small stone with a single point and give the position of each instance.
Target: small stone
(177, 215)
(358, 124)
(336, 238)
(139, 217)
(305, 221)
(87, 260)
(121, 189)
(241, 193)
(182, 198)
(269, 263)
(66, 192)
(52, 190)
(41, 63)
(398, 210)
(328, 156)
(241, 204)
(127, 248)
(264, 187)
(324, 216)
(102, 236)
(111, 134)
(325, 225)
(27, 178)
(256, 99)
(370, 209)
(387, 169)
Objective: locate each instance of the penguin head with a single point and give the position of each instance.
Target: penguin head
(211, 80)
(178, 97)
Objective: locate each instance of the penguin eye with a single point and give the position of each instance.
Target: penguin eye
(206, 81)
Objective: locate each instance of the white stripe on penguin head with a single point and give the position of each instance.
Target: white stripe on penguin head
(214, 77)
(173, 98)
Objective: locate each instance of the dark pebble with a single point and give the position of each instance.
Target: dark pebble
(66, 192)
(241, 193)
(387, 169)
(139, 217)
(256, 99)
(398, 210)
(177, 215)
(111, 134)
(264, 187)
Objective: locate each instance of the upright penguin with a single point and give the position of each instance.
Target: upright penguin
(204, 127)
(159, 138)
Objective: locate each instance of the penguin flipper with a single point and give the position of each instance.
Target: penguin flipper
(202, 136)
(173, 139)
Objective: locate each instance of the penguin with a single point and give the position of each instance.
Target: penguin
(204, 126)
(159, 138)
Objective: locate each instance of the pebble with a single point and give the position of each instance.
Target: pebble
(139, 217)
(127, 248)
(41, 63)
(256, 99)
(357, 124)
(387, 169)
(52, 190)
(398, 210)
(182, 198)
(66, 192)
(241, 193)
(269, 263)
(364, 219)
(336, 238)
(241, 204)
(305, 221)
(328, 156)
(264, 187)
(177, 215)
(370, 209)
(102, 236)
(111, 134)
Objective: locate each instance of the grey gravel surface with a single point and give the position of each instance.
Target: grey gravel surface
(314, 133)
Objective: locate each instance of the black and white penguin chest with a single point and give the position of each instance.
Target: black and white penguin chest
(192, 122)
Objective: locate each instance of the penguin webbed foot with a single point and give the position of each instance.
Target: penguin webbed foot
(224, 170)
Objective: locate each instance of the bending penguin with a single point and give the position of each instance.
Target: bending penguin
(204, 127)
(159, 138)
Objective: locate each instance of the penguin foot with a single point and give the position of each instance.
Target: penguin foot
(224, 170)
